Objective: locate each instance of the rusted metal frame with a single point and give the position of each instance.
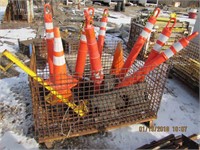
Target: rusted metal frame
(31, 85)
(39, 117)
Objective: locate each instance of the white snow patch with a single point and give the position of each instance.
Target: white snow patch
(131, 138)
(12, 35)
(13, 141)
(180, 109)
(119, 19)
(116, 17)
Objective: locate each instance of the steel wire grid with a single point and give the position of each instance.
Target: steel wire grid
(186, 65)
(108, 107)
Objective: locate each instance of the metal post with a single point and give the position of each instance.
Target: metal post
(30, 12)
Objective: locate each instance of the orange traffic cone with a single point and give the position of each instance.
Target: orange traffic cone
(49, 36)
(139, 43)
(162, 39)
(63, 82)
(82, 54)
(159, 59)
(118, 60)
(95, 60)
(102, 31)
(82, 51)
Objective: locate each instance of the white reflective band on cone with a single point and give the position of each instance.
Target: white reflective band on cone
(50, 35)
(103, 24)
(102, 32)
(168, 53)
(58, 47)
(97, 75)
(163, 38)
(149, 25)
(49, 26)
(83, 38)
(157, 47)
(144, 34)
(59, 61)
(178, 46)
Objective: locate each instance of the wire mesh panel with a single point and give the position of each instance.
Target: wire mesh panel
(88, 106)
(186, 65)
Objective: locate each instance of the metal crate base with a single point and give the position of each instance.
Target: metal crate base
(92, 131)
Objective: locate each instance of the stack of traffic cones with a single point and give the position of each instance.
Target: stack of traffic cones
(49, 36)
(82, 50)
(102, 31)
(95, 60)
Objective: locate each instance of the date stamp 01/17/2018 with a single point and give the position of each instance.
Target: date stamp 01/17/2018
(163, 129)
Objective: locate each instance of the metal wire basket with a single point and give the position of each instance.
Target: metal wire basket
(107, 107)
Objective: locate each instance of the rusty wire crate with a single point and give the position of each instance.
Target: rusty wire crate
(137, 24)
(186, 65)
(107, 107)
(24, 46)
(40, 46)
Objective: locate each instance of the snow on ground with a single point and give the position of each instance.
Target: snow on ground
(12, 35)
(13, 141)
(116, 17)
(16, 121)
(180, 107)
(119, 18)
(16, 109)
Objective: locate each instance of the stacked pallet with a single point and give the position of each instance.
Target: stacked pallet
(186, 65)
(172, 142)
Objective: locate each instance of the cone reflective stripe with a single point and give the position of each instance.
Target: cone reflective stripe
(95, 60)
(159, 59)
(140, 42)
(162, 39)
(49, 36)
(102, 31)
(118, 60)
(147, 29)
(82, 54)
